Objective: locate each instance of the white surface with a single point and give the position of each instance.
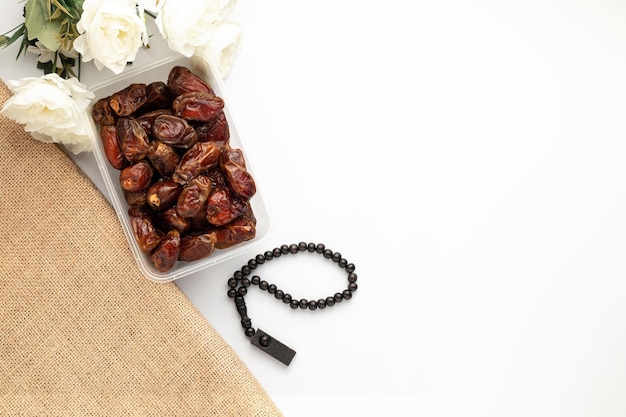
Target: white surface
(469, 158)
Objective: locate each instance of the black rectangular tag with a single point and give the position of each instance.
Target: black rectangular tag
(273, 347)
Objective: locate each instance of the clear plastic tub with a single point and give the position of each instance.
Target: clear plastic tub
(158, 71)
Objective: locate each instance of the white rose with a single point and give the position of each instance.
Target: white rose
(52, 109)
(112, 31)
(224, 43)
(187, 24)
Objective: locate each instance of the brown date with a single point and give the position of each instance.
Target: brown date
(194, 247)
(170, 219)
(237, 231)
(158, 96)
(174, 131)
(147, 119)
(133, 139)
(222, 207)
(137, 177)
(192, 199)
(198, 159)
(102, 113)
(182, 80)
(146, 235)
(136, 199)
(198, 106)
(127, 101)
(108, 135)
(215, 130)
(163, 157)
(218, 180)
(165, 255)
(234, 167)
(163, 194)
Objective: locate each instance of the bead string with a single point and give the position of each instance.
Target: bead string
(239, 283)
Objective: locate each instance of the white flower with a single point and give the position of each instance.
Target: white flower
(47, 55)
(52, 109)
(187, 24)
(112, 31)
(224, 43)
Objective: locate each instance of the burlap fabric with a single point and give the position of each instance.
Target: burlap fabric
(82, 332)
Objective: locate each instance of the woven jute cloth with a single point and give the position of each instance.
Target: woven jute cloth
(82, 332)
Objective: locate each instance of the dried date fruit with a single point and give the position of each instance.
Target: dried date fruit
(102, 113)
(198, 159)
(147, 119)
(174, 131)
(137, 177)
(195, 247)
(165, 255)
(237, 231)
(127, 101)
(218, 180)
(136, 199)
(215, 130)
(133, 139)
(112, 151)
(170, 219)
(192, 199)
(158, 96)
(182, 80)
(163, 194)
(198, 106)
(234, 167)
(222, 207)
(146, 234)
(163, 157)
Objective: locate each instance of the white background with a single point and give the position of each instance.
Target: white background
(470, 158)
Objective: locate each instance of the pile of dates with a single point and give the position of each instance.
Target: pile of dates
(188, 190)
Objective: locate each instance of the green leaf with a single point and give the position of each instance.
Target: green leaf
(39, 27)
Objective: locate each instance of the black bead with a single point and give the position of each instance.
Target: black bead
(272, 289)
(245, 270)
(250, 332)
(302, 246)
(330, 301)
(312, 305)
(352, 286)
(238, 274)
(252, 263)
(328, 253)
(260, 259)
(321, 303)
(256, 280)
(287, 298)
(294, 304)
(284, 249)
(293, 248)
(320, 248)
(245, 282)
(232, 293)
(304, 303)
(269, 255)
(279, 294)
(232, 282)
(263, 285)
(336, 257)
(350, 267)
(242, 291)
(338, 297)
(311, 247)
(347, 294)
(264, 340)
(352, 277)
(276, 252)
(343, 263)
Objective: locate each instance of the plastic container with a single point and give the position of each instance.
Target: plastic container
(158, 71)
